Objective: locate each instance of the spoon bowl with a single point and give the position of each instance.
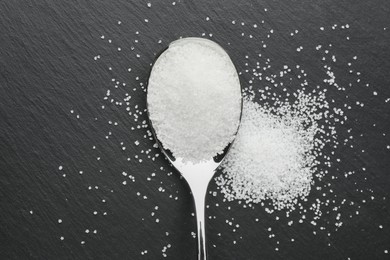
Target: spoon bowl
(197, 174)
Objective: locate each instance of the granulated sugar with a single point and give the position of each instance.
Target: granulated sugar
(194, 99)
(303, 156)
(274, 155)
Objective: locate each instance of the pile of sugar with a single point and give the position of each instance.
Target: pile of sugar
(275, 153)
(194, 99)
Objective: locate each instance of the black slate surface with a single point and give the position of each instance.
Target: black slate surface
(47, 69)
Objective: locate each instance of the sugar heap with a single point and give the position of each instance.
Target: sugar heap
(194, 99)
(275, 154)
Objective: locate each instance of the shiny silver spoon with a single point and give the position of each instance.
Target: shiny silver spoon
(197, 175)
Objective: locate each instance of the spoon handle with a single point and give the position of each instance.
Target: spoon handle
(198, 179)
(199, 198)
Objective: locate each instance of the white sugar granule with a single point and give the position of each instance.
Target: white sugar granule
(274, 155)
(194, 99)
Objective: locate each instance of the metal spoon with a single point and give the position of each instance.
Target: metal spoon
(197, 175)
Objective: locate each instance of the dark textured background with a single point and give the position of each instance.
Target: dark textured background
(47, 69)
